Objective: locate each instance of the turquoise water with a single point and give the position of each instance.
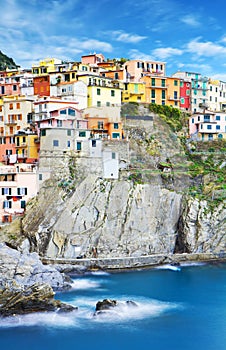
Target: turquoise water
(181, 310)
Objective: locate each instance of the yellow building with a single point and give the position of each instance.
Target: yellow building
(26, 147)
(133, 92)
(155, 89)
(45, 66)
(17, 113)
(173, 92)
(101, 91)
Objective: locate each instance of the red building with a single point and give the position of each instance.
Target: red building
(42, 85)
(185, 95)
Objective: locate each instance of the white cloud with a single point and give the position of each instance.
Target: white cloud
(166, 52)
(137, 55)
(127, 37)
(190, 20)
(208, 48)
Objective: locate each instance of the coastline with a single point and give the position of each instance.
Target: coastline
(126, 263)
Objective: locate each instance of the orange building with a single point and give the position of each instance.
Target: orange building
(104, 122)
(155, 89)
(42, 85)
(173, 91)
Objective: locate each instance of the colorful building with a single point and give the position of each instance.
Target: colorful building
(185, 95)
(18, 184)
(45, 66)
(104, 123)
(155, 89)
(207, 126)
(136, 69)
(101, 91)
(134, 92)
(173, 92)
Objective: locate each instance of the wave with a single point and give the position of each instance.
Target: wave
(85, 317)
(169, 267)
(81, 284)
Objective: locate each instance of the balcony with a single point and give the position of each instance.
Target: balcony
(11, 122)
(174, 98)
(22, 144)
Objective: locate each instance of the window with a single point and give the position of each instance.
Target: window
(163, 94)
(163, 103)
(152, 93)
(211, 88)
(69, 143)
(175, 82)
(182, 100)
(7, 204)
(113, 155)
(18, 105)
(116, 125)
(14, 87)
(198, 118)
(116, 75)
(187, 92)
(63, 111)
(68, 132)
(112, 93)
(6, 191)
(153, 81)
(11, 106)
(209, 127)
(40, 177)
(43, 132)
(220, 136)
(79, 146)
(59, 123)
(210, 137)
(175, 95)
(98, 103)
(193, 120)
(181, 84)
(21, 191)
(152, 101)
(163, 83)
(71, 112)
(94, 143)
(55, 143)
(100, 125)
(218, 127)
(115, 135)
(23, 204)
(98, 91)
(82, 134)
(195, 101)
(218, 117)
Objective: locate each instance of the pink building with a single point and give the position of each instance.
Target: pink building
(207, 126)
(18, 184)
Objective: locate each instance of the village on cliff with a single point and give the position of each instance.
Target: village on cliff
(58, 108)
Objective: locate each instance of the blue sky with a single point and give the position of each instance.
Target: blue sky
(186, 34)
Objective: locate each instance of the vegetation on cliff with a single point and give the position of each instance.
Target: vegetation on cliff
(6, 62)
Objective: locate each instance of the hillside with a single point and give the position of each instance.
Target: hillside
(6, 62)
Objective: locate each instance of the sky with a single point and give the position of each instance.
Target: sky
(189, 35)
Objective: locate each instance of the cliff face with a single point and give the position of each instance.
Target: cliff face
(146, 211)
(110, 218)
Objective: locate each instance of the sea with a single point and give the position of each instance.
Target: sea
(178, 308)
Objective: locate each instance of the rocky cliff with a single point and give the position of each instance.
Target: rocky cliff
(146, 211)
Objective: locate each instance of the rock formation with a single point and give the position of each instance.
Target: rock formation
(26, 285)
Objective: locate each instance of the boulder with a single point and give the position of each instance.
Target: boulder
(34, 298)
(27, 269)
(106, 304)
